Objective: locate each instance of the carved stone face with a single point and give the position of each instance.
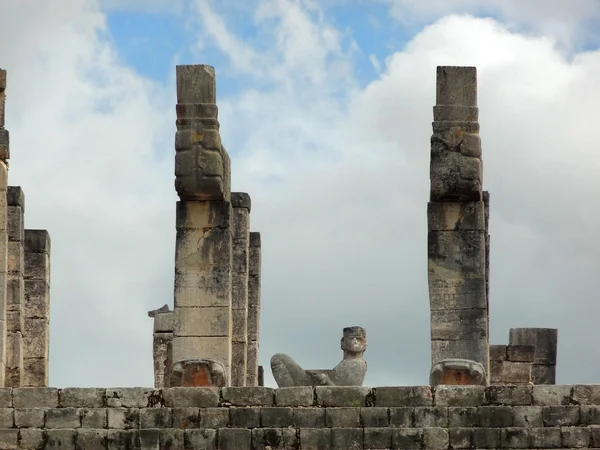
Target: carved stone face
(354, 343)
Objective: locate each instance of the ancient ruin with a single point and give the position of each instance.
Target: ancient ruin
(208, 391)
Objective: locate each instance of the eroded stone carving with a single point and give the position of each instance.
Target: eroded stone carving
(198, 373)
(457, 372)
(350, 371)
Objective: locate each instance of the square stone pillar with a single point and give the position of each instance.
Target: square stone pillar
(254, 272)
(36, 334)
(162, 347)
(457, 232)
(545, 342)
(4, 152)
(15, 287)
(203, 257)
(239, 284)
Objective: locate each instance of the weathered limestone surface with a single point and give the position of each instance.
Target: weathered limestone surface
(4, 153)
(545, 342)
(350, 371)
(239, 284)
(457, 225)
(254, 280)
(15, 300)
(36, 309)
(511, 364)
(162, 346)
(324, 418)
(203, 256)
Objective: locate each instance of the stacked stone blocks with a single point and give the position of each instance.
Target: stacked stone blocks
(457, 230)
(448, 417)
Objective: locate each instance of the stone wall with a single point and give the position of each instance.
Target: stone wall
(240, 418)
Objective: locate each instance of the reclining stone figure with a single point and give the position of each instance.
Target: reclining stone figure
(350, 371)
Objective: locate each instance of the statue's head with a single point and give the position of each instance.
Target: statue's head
(354, 340)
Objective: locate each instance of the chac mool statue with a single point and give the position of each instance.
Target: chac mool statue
(350, 371)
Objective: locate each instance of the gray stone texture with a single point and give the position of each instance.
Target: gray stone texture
(545, 343)
(162, 349)
(458, 251)
(240, 202)
(16, 333)
(36, 308)
(253, 320)
(202, 165)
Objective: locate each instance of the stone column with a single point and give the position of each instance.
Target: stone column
(36, 309)
(254, 263)
(203, 254)
(545, 341)
(15, 298)
(162, 347)
(457, 231)
(4, 153)
(240, 202)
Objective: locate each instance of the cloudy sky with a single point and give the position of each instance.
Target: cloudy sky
(326, 110)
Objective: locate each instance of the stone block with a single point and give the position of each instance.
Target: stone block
(576, 437)
(155, 418)
(36, 241)
(543, 374)
(6, 398)
(342, 417)
(458, 292)
(14, 223)
(455, 113)
(590, 415)
(463, 417)
(560, 416)
(459, 395)
(486, 438)
(197, 397)
(29, 418)
(545, 438)
(196, 288)
(239, 291)
(248, 396)
(443, 257)
(35, 372)
(241, 200)
(94, 418)
(428, 416)
(407, 438)
(63, 418)
(14, 349)
(586, 394)
(134, 397)
(35, 397)
(498, 352)
(455, 177)
(15, 197)
(403, 396)
(187, 418)
(214, 417)
(377, 437)
(347, 438)
(509, 395)
(191, 347)
(60, 439)
(15, 259)
(315, 438)
(268, 439)
(196, 84)
(9, 439)
(528, 416)
(520, 353)
(374, 417)
(198, 373)
(551, 395)
(239, 328)
(436, 438)
(253, 324)
(495, 417)
(163, 322)
(7, 418)
(401, 417)
(276, 417)
(544, 340)
(309, 417)
(475, 350)
(460, 437)
(515, 438)
(454, 216)
(244, 417)
(342, 395)
(456, 86)
(31, 438)
(234, 439)
(123, 418)
(459, 324)
(36, 340)
(91, 438)
(36, 299)
(294, 396)
(502, 372)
